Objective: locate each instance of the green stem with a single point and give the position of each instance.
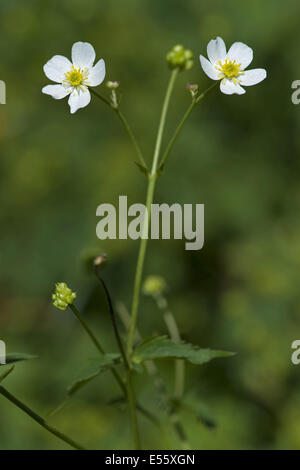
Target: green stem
(132, 410)
(101, 97)
(150, 192)
(131, 136)
(97, 344)
(87, 328)
(181, 124)
(125, 125)
(39, 419)
(160, 385)
(113, 318)
(130, 392)
(173, 329)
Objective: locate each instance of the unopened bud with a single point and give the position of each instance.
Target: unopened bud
(112, 85)
(101, 259)
(181, 58)
(154, 285)
(193, 89)
(63, 296)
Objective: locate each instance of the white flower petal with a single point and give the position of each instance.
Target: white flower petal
(209, 69)
(216, 50)
(241, 53)
(97, 73)
(56, 68)
(252, 77)
(83, 54)
(228, 87)
(79, 100)
(56, 91)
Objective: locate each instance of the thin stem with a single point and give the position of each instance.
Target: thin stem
(162, 123)
(113, 318)
(97, 344)
(181, 124)
(132, 410)
(130, 391)
(39, 419)
(176, 134)
(101, 97)
(159, 384)
(131, 136)
(125, 125)
(150, 192)
(173, 329)
(87, 328)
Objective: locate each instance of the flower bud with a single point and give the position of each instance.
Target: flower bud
(112, 85)
(193, 89)
(63, 296)
(154, 285)
(99, 260)
(181, 58)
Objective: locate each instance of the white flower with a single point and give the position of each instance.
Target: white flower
(229, 67)
(74, 77)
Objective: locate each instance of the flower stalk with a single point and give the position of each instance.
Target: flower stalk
(125, 125)
(112, 315)
(129, 387)
(179, 128)
(38, 419)
(152, 177)
(97, 344)
(87, 329)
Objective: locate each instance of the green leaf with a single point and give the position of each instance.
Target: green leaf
(6, 373)
(161, 347)
(96, 367)
(17, 357)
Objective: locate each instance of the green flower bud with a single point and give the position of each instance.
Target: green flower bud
(112, 85)
(181, 58)
(154, 285)
(63, 296)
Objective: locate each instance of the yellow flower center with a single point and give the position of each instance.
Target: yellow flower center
(76, 77)
(229, 69)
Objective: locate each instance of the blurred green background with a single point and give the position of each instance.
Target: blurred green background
(239, 155)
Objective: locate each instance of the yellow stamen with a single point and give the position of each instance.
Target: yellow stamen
(76, 77)
(229, 69)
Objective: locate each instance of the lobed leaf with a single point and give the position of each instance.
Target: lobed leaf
(162, 347)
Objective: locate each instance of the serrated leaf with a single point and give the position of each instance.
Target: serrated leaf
(96, 367)
(161, 347)
(17, 357)
(6, 373)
